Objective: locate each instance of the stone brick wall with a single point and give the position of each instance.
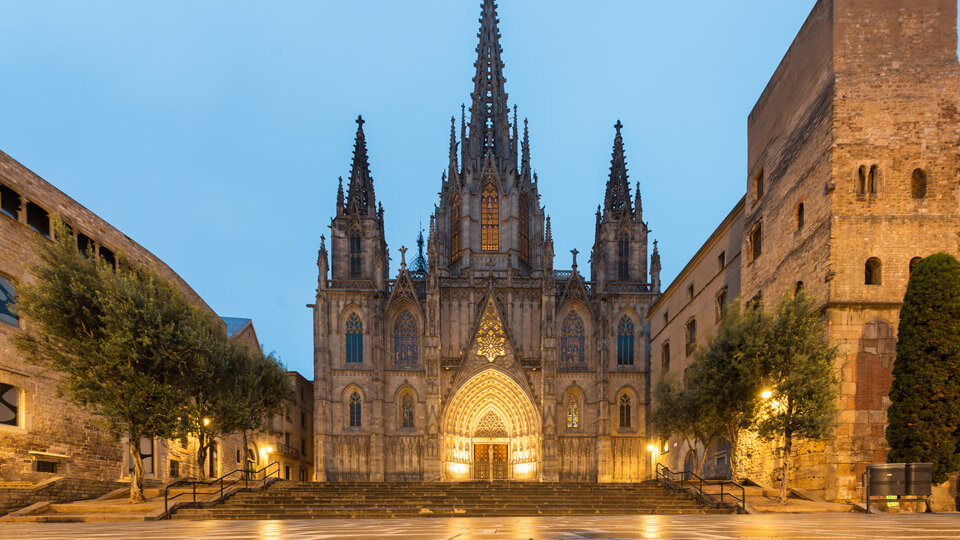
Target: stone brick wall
(58, 490)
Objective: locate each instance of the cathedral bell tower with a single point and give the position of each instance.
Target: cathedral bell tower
(619, 256)
(489, 217)
(357, 242)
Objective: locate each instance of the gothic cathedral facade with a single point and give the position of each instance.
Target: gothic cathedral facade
(485, 363)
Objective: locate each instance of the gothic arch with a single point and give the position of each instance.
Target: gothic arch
(573, 392)
(490, 390)
(583, 312)
(394, 312)
(616, 406)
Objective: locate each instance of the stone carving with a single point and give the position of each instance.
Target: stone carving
(490, 337)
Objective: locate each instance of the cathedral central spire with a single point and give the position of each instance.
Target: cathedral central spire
(489, 112)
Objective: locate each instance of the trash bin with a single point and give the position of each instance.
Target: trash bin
(919, 479)
(886, 479)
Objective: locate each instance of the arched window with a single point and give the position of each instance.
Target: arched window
(8, 303)
(489, 218)
(571, 341)
(355, 410)
(799, 216)
(625, 342)
(405, 340)
(624, 411)
(862, 180)
(918, 184)
(873, 180)
(623, 256)
(406, 411)
(455, 226)
(524, 229)
(913, 264)
(871, 271)
(573, 413)
(356, 255)
(354, 335)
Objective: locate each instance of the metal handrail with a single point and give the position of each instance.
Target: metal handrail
(664, 476)
(244, 475)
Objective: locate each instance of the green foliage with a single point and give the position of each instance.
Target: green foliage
(726, 377)
(798, 368)
(924, 414)
(120, 339)
(678, 413)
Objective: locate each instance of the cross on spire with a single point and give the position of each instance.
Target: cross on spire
(403, 256)
(574, 251)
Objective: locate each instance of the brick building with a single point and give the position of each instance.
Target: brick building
(852, 176)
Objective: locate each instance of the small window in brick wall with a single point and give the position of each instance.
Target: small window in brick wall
(913, 264)
(918, 184)
(108, 257)
(872, 271)
(9, 405)
(174, 468)
(238, 455)
(47, 466)
(38, 219)
(85, 245)
(9, 202)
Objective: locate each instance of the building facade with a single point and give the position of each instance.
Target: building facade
(853, 176)
(490, 363)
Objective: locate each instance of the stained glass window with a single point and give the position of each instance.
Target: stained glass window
(455, 226)
(624, 411)
(625, 342)
(9, 405)
(573, 413)
(355, 410)
(354, 343)
(490, 218)
(571, 341)
(8, 306)
(405, 340)
(356, 256)
(623, 256)
(524, 230)
(406, 411)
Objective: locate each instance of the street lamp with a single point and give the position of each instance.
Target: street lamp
(206, 422)
(766, 394)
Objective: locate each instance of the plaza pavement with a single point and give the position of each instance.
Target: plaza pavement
(706, 527)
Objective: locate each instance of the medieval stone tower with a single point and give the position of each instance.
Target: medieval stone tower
(490, 364)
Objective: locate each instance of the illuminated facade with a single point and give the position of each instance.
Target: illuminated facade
(488, 363)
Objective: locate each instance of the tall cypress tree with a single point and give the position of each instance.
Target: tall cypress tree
(924, 414)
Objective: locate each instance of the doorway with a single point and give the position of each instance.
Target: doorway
(490, 461)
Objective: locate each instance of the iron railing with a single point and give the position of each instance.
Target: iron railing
(678, 480)
(219, 485)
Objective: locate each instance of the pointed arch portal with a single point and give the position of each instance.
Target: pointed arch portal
(491, 431)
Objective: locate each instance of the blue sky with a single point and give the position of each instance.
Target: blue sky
(213, 132)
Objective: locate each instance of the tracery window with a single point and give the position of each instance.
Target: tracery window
(405, 340)
(625, 342)
(573, 413)
(489, 218)
(8, 303)
(355, 410)
(354, 344)
(624, 411)
(455, 226)
(524, 230)
(406, 411)
(356, 257)
(623, 256)
(571, 341)
(491, 426)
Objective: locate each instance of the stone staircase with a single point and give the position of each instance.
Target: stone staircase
(313, 500)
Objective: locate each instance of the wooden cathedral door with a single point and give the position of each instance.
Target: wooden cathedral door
(481, 461)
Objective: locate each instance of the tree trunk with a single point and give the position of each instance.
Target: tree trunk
(136, 479)
(787, 448)
(202, 444)
(733, 458)
(243, 453)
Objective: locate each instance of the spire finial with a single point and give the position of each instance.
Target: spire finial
(360, 194)
(574, 251)
(403, 257)
(617, 198)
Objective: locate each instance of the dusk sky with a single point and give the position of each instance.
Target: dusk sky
(213, 133)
